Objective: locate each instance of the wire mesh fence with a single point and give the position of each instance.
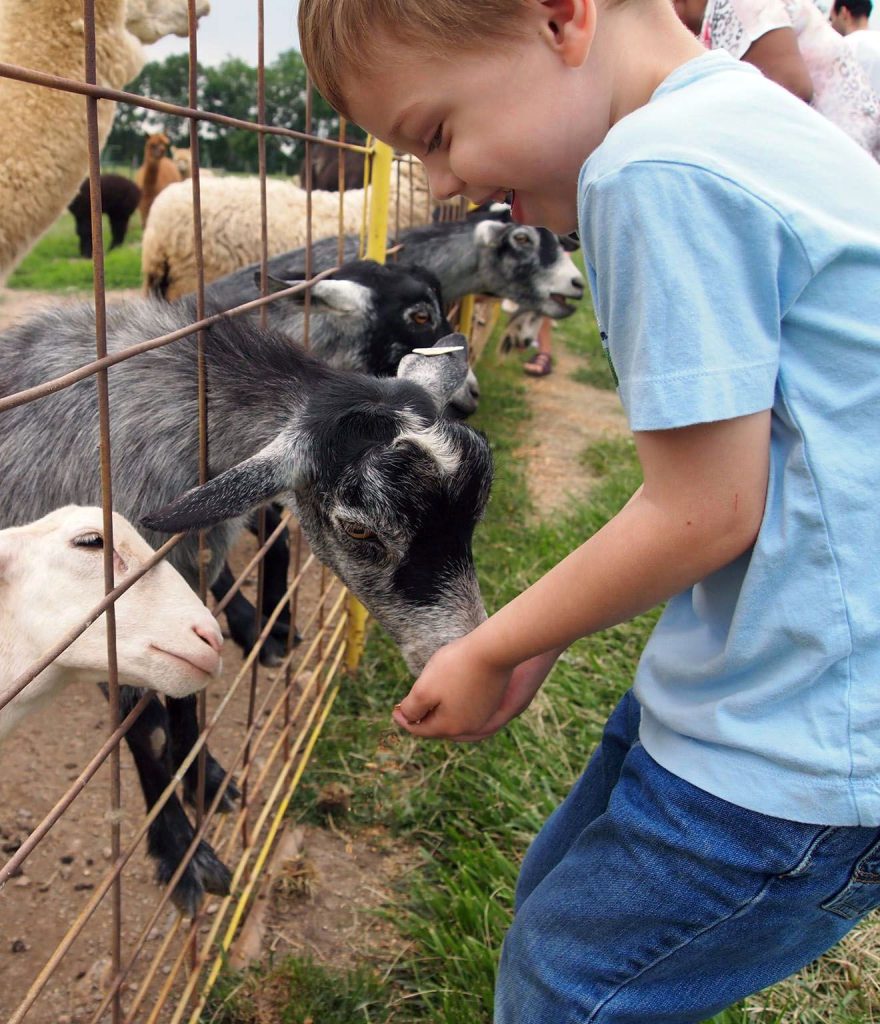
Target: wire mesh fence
(90, 935)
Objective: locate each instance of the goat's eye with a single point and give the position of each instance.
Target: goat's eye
(89, 540)
(419, 317)
(358, 532)
(522, 238)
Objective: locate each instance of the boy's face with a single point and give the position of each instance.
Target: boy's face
(511, 117)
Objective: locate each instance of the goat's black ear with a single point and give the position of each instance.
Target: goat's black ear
(570, 242)
(440, 370)
(260, 478)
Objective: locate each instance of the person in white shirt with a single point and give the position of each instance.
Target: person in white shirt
(850, 18)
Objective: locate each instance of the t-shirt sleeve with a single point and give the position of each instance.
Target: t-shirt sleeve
(691, 276)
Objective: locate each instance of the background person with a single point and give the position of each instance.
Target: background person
(850, 19)
(793, 44)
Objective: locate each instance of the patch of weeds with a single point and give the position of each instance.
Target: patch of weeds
(296, 991)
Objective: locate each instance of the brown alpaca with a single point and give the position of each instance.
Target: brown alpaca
(155, 172)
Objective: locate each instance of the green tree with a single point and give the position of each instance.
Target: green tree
(229, 88)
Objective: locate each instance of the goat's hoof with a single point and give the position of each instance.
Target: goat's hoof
(216, 877)
(204, 873)
(272, 652)
(281, 631)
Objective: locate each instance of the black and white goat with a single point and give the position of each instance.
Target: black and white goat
(387, 491)
(365, 317)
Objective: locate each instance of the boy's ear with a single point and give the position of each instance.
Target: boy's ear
(568, 26)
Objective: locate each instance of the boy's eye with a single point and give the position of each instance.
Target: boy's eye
(437, 140)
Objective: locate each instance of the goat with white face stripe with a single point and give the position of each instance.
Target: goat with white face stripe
(387, 492)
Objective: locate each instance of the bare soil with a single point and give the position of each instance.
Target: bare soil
(322, 895)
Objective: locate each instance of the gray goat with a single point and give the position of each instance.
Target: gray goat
(387, 491)
(485, 255)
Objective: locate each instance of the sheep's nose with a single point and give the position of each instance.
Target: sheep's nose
(211, 635)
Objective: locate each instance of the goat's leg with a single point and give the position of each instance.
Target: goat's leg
(275, 569)
(241, 619)
(118, 227)
(171, 833)
(183, 727)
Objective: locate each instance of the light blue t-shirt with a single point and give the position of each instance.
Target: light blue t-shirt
(732, 239)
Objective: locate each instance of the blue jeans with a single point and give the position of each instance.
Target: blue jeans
(644, 898)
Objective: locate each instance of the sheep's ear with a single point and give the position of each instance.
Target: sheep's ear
(264, 476)
(440, 370)
(488, 232)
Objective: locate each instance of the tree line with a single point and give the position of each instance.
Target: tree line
(229, 88)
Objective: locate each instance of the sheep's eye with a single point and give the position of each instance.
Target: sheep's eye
(419, 317)
(358, 532)
(89, 540)
(522, 238)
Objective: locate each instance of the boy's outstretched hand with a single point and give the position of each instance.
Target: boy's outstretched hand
(462, 696)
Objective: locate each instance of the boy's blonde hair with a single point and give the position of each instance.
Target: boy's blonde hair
(337, 36)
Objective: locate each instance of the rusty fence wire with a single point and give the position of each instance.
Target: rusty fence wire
(98, 940)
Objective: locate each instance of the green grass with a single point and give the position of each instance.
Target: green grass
(472, 810)
(54, 263)
(298, 992)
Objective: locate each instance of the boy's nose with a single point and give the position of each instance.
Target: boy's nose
(444, 184)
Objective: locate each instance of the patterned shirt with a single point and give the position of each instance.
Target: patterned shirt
(841, 88)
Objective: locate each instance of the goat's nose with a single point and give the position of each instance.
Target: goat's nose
(211, 635)
(578, 284)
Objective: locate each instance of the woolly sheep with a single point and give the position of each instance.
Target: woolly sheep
(49, 159)
(52, 575)
(231, 224)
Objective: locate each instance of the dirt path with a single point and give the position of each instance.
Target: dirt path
(567, 417)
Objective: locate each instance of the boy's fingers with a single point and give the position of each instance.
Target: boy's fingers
(414, 710)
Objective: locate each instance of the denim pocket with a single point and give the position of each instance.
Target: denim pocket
(862, 892)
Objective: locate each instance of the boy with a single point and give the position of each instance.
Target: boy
(726, 831)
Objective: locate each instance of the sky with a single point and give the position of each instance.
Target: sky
(231, 30)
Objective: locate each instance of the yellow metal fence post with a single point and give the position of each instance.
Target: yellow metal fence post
(377, 243)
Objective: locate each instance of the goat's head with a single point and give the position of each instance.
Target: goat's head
(387, 491)
(529, 265)
(371, 315)
(54, 568)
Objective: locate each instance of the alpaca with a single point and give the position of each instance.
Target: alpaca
(48, 125)
(119, 200)
(155, 173)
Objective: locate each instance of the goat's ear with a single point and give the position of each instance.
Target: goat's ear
(262, 477)
(488, 232)
(329, 295)
(440, 370)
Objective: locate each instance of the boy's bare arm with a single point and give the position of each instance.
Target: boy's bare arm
(700, 506)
